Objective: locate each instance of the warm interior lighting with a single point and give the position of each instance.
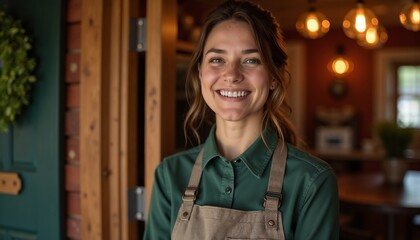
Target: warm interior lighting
(410, 16)
(357, 20)
(360, 23)
(312, 24)
(340, 66)
(375, 37)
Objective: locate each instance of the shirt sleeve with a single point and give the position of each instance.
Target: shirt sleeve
(158, 224)
(319, 213)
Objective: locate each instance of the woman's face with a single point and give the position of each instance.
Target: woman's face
(235, 84)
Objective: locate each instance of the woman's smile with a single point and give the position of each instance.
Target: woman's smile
(232, 93)
(235, 83)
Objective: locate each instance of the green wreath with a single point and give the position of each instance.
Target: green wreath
(16, 69)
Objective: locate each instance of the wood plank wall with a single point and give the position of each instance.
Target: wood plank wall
(72, 105)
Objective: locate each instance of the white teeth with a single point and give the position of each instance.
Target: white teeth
(233, 94)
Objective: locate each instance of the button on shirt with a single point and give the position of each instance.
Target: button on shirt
(310, 196)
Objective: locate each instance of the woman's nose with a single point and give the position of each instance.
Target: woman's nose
(232, 73)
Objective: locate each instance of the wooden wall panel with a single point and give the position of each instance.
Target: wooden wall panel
(93, 119)
(160, 86)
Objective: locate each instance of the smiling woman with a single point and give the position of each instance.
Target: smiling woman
(16, 69)
(247, 180)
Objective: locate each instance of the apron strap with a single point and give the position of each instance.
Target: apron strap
(190, 193)
(273, 196)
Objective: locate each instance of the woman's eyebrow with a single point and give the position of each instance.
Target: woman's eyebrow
(215, 50)
(218, 50)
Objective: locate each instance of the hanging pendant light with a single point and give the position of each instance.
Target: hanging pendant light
(358, 20)
(410, 16)
(375, 37)
(340, 65)
(312, 24)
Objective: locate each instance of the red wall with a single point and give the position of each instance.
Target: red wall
(359, 82)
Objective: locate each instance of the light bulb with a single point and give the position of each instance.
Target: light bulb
(312, 24)
(357, 20)
(410, 16)
(340, 65)
(360, 22)
(375, 37)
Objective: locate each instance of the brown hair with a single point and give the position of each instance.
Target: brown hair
(270, 44)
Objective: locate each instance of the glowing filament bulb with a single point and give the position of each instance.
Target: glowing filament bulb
(410, 16)
(371, 36)
(415, 15)
(312, 23)
(340, 66)
(360, 22)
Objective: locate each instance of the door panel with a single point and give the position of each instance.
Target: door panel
(32, 147)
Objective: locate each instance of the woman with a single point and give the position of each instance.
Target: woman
(247, 180)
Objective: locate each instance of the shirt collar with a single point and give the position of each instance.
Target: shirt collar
(256, 157)
(210, 147)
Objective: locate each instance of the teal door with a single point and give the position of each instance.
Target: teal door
(32, 147)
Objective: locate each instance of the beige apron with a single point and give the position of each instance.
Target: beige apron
(208, 222)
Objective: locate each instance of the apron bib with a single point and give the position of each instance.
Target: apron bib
(210, 223)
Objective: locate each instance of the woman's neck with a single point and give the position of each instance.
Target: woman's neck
(234, 138)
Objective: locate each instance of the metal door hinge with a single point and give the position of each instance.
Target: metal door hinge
(137, 34)
(136, 203)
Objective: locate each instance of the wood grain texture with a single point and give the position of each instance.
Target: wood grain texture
(160, 86)
(128, 127)
(108, 136)
(92, 121)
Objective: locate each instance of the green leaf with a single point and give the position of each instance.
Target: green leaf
(16, 75)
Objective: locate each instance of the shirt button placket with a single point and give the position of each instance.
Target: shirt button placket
(227, 185)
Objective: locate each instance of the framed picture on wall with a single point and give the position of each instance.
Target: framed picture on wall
(334, 139)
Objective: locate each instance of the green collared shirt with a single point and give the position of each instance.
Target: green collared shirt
(310, 208)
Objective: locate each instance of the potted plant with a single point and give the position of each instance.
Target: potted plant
(395, 139)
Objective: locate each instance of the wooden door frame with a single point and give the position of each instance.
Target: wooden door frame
(108, 110)
(160, 85)
(108, 119)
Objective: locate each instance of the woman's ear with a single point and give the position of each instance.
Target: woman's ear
(273, 84)
(199, 70)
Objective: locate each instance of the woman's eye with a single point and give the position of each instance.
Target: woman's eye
(252, 61)
(216, 60)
